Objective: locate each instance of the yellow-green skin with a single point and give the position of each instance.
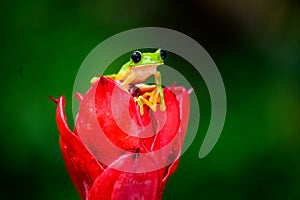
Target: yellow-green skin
(140, 71)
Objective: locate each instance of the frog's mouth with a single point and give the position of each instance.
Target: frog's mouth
(148, 66)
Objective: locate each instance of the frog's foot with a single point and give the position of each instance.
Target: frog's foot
(141, 100)
(151, 99)
(94, 79)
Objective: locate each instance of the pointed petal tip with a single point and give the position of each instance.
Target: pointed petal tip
(53, 99)
(79, 97)
(190, 91)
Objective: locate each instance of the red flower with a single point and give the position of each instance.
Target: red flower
(117, 153)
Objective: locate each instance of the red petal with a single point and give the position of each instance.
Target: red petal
(114, 184)
(98, 129)
(110, 95)
(136, 186)
(184, 103)
(105, 102)
(103, 185)
(171, 124)
(81, 165)
(183, 98)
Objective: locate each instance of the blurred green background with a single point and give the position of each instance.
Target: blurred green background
(255, 44)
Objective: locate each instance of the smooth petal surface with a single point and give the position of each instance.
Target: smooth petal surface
(119, 185)
(183, 98)
(81, 165)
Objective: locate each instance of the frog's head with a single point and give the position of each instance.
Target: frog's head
(138, 58)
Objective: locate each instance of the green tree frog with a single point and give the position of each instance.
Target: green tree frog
(134, 72)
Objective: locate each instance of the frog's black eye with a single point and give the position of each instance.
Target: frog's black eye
(163, 54)
(136, 56)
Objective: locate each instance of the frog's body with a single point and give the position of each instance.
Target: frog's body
(137, 74)
(140, 67)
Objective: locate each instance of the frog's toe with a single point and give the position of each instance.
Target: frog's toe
(162, 107)
(153, 107)
(140, 103)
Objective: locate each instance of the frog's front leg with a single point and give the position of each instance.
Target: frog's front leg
(128, 80)
(95, 78)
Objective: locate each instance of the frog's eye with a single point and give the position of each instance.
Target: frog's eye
(136, 56)
(163, 54)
